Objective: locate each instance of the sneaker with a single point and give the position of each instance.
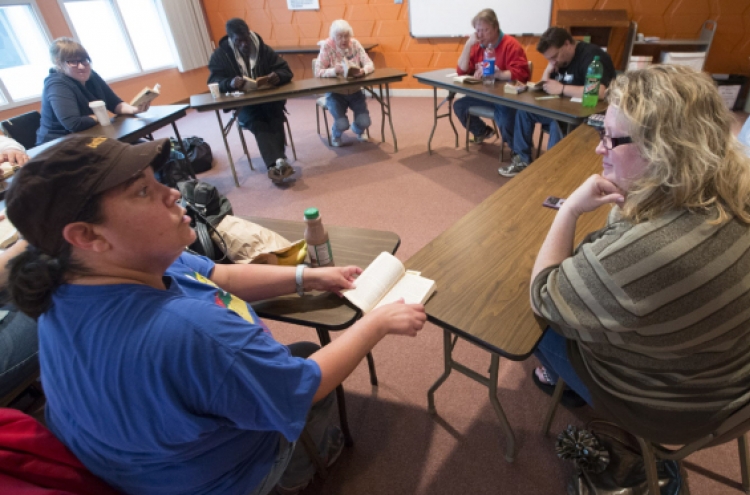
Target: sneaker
(280, 171)
(516, 166)
(336, 142)
(363, 138)
(489, 133)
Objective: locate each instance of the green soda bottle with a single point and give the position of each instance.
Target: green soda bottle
(593, 79)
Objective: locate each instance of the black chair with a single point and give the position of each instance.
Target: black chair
(23, 128)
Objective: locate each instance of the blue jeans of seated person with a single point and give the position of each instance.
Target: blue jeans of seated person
(552, 353)
(523, 138)
(292, 466)
(19, 348)
(338, 104)
(504, 117)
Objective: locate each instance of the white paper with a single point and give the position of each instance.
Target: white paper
(576, 100)
(303, 4)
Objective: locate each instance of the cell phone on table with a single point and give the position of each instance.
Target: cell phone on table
(596, 120)
(553, 202)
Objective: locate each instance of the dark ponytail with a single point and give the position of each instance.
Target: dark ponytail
(34, 276)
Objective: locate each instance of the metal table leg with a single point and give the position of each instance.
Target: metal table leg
(491, 383)
(436, 116)
(390, 118)
(325, 339)
(226, 147)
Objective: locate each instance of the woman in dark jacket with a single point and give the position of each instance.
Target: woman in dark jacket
(68, 90)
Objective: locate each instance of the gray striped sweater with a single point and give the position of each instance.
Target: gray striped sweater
(658, 321)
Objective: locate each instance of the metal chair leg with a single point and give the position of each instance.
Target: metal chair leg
(317, 116)
(244, 146)
(502, 143)
(328, 130)
(556, 396)
(539, 144)
(744, 462)
(371, 366)
(291, 140)
(467, 136)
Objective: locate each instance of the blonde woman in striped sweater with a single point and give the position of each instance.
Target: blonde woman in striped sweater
(650, 315)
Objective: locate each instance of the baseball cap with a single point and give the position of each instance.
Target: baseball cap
(51, 190)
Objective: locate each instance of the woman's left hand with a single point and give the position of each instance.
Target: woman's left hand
(592, 194)
(330, 279)
(142, 108)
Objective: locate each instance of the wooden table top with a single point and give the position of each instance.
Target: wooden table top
(561, 109)
(482, 264)
(295, 89)
(350, 246)
(292, 49)
(131, 128)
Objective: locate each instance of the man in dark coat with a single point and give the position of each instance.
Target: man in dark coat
(243, 54)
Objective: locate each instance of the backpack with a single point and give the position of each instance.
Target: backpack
(198, 153)
(207, 208)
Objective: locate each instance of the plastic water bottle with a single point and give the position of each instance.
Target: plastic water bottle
(593, 79)
(488, 66)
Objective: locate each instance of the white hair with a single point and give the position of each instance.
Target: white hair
(340, 26)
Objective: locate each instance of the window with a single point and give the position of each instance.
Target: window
(24, 56)
(123, 37)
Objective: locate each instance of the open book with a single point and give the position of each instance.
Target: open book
(514, 88)
(536, 86)
(466, 80)
(147, 95)
(8, 233)
(252, 84)
(386, 281)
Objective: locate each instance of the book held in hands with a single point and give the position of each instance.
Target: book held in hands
(386, 281)
(252, 84)
(146, 95)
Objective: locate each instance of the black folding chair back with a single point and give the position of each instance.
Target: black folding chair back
(23, 128)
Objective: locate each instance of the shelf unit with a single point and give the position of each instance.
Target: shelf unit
(655, 48)
(601, 27)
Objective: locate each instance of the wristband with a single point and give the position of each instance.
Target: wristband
(298, 280)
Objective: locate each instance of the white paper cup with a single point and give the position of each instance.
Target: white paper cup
(100, 110)
(214, 87)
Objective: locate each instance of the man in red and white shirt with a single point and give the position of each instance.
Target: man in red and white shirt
(511, 64)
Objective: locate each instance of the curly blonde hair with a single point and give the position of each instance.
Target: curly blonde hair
(683, 130)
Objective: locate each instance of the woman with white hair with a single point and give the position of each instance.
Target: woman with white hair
(342, 55)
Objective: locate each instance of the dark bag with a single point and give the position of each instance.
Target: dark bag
(175, 170)
(609, 462)
(198, 153)
(207, 208)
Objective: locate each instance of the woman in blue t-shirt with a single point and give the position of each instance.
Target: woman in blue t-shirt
(158, 375)
(69, 88)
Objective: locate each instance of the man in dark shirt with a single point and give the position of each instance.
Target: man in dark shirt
(242, 53)
(565, 75)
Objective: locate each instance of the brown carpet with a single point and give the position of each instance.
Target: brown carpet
(399, 447)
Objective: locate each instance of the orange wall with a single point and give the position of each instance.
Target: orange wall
(386, 23)
(175, 86)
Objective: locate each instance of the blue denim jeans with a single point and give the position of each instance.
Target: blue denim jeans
(504, 117)
(552, 353)
(523, 138)
(292, 465)
(338, 104)
(19, 348)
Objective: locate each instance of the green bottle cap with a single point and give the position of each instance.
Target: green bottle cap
(311, 213)
(596, 58)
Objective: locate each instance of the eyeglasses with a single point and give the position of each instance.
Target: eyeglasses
(611, 143)
(76, 63)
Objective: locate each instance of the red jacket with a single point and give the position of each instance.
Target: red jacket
(509, 55)
(34, 462)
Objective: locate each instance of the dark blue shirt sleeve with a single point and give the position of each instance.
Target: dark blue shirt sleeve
(64, 103)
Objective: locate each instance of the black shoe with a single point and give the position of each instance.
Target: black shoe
(569, 398)
(488, 133)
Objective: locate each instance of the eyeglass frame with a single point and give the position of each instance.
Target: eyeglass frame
(75, 63)
(614, 142)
